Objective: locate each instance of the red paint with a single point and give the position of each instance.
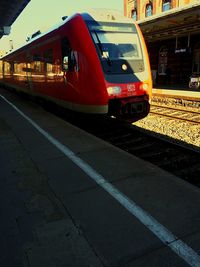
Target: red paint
(85, 88)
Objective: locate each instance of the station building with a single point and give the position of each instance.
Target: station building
(171, 29)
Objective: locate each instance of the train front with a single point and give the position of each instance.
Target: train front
(125, 63)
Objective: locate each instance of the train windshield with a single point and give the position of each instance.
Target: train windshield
(118, 46)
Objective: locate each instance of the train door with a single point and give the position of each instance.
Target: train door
(66, 50)
(69, 57)
(66, 55)
(70, 67)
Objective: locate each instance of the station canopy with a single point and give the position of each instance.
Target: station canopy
(174, 22)
(9, 11)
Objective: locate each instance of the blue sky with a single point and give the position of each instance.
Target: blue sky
(44, 14)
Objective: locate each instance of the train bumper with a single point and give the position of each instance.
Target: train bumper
(129, 109)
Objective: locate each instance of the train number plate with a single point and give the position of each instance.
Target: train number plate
(193, 80)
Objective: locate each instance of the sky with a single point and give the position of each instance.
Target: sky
(44, 14)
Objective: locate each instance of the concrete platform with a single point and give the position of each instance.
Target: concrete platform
(70, 199)
(187, 93)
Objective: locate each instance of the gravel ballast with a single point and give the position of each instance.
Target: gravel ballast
(180, 131)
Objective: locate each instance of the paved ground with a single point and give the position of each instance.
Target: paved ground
(54, 214)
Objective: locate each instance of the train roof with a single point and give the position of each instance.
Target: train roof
(103, 15)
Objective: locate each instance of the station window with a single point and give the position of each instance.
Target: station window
(149, 10)
(166, 5)
(163, 58)
(134, 14)
(196, 59)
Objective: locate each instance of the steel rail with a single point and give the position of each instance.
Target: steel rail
(179, 117)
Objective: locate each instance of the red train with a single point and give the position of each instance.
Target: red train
(95, 64)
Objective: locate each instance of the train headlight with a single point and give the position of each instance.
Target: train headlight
(114, 90)
(144, 86)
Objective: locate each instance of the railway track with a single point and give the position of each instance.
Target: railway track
(176, 113)
(181, 161)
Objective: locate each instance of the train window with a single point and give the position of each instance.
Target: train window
(16, 68)
(66, 63)
(118, 45)
(111, 27)
(38, 65)
(11, 67)
(119, 48)
(22, 68)
(1, 69)
(48, 60)
(1, 66)
(163, 58)
(7, 68)
(36, 57)
(48, 56)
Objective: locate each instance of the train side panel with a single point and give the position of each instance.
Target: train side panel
(37, 69)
